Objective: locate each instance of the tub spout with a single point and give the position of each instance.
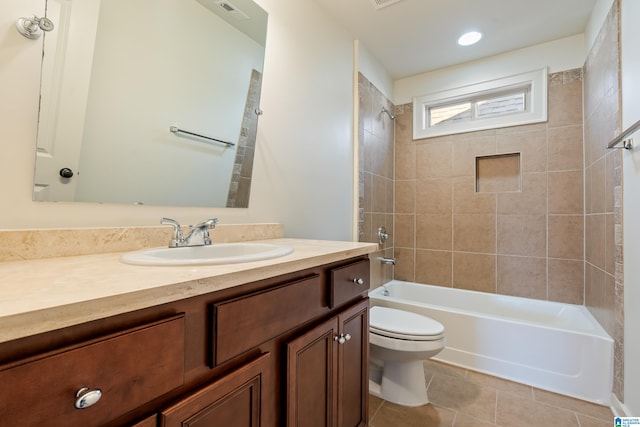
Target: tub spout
(388, 261)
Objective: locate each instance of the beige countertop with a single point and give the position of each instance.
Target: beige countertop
(46, 294)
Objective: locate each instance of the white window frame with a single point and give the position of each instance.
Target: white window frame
(535, 110)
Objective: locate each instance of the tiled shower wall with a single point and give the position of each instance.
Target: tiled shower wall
(527, 243)
(604, 288)
(240, 185)
(376, 136)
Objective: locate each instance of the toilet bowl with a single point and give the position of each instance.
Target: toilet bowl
(399, 343)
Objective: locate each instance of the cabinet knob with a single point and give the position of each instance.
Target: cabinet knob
(86, 398)
(358, 281)
(342, 338)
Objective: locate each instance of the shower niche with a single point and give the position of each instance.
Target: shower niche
(498, 173)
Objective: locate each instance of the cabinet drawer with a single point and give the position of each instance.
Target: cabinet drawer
(130, 368)
(348, 282)
(246, 322)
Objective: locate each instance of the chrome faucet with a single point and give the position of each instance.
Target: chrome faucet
(198, 234)
(388, 261)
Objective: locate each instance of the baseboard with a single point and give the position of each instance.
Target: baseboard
(618, 408)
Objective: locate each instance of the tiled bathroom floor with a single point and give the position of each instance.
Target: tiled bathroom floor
(464, 398)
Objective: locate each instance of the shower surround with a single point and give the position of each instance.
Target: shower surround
(558, 237)
(527, 242)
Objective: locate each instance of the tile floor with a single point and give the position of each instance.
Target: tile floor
(464, 398)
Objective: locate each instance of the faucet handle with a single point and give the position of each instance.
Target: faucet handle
(210, 224)
(177, 231)
(203, 229)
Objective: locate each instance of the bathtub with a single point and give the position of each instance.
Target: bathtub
(548, 345)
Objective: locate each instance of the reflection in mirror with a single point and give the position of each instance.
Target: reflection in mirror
(118, 74)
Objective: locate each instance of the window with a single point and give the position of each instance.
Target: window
(510, 101)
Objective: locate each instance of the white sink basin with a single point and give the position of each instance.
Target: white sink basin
(222, 253)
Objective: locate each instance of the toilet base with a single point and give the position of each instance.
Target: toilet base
(402, 383)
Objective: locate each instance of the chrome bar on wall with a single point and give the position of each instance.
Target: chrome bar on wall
(622, 138)
(175, 129)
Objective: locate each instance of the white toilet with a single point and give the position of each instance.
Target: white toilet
(399, 342)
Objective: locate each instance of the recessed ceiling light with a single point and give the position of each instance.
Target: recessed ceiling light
(469, 38)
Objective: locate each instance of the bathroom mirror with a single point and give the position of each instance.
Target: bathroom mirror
(152, 102)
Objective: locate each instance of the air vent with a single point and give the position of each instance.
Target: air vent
(379, 4)
(232, 10)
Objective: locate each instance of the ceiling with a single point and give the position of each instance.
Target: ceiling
(415, 36)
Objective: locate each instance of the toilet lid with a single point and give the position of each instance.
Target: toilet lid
(403, 324)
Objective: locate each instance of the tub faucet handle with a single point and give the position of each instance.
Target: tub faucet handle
(382, 235)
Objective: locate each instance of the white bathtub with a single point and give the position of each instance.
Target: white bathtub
(552, 346)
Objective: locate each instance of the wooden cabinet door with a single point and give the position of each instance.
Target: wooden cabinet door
(312, 361)
(328, 372)
(353, 366)
(232, 401)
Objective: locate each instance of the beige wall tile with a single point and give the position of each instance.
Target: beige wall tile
(565, 104)
(405, 197)
(405, 264)
(597, 187)
(566, 236)
(434, 232)
(595, 237)
(610, 244)
(434, 267)
(405, 167)
(610, 180)
(404, 230)
(465, 150)
(522, 276)
(474, 233)
(532, 200)
(404, 124)
(566, 281)
(476, 272)
(434, 196)
(522, 235)
(566, 191)
(532, 147)
(434, 158)
(565, 148)
(379, 193)
(498, 173)
(366, 197)
(466, 200)
(588, 183)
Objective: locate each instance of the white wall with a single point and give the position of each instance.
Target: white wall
(630, 14)
(371, 68)
(559, 55)
(598, 15)
(303, 165)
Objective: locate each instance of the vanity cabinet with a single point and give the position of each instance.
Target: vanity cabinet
(286, 350)
(326, 377)
(233, 400)
(123, 370)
